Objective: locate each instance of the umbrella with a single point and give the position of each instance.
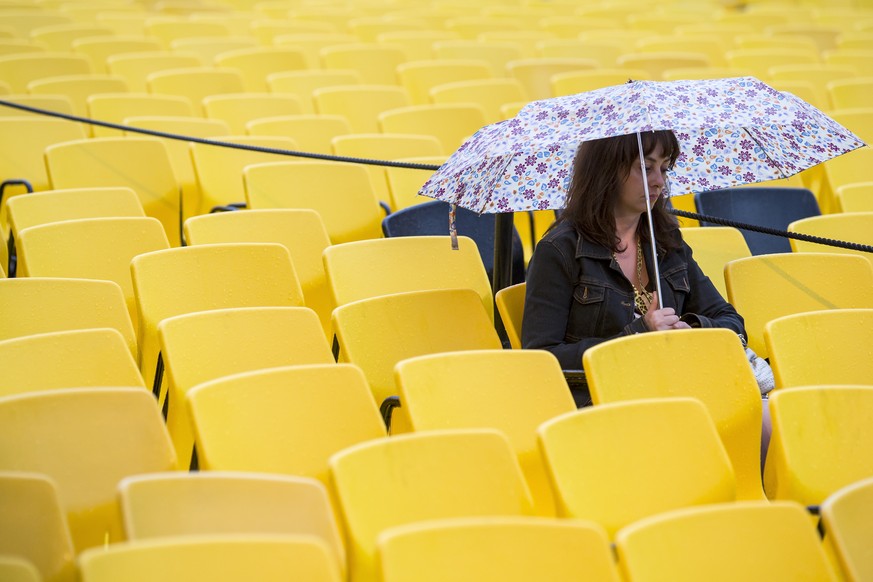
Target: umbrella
(731, 132)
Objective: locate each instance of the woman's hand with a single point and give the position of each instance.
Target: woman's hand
(657, 319)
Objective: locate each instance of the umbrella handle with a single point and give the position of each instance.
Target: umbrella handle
(651, 224)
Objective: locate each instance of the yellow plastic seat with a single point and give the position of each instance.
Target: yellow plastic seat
(268, 558)
(257, 63)
(750, 540)
(84, 358)
(303, 83)
(604, 52)
(136, 67)
(311, 43)
(416, 44)
(372, 268)
(859, 59)
(656, 62)
(269, 30)
(385, 146)
(452, 124)
(50, 206)
(489, 389)
(78, 88)
(203, 346)
(91, 248)
(514, 549)
(368, 28)
(35, 526)
(760, 40)
(141, 164)
(13, 569)
(312, 132)
(535, 74)
(685, 73)
(472, 25)
(713, 248)
(651, 456)
(63, 305)
(820, 347)
(817, 74)
(19, 70)
(855, 197)
(341, 194)
(60, 37)
(823, 35)
(179, 151)
(757, 62)
(219, 170)
(713, 47)
(731, 395)
(377, 64)
(490, 94)
(195, 83)
(850, 168)
(405, 183)
(227, 502)
(208, 48)
(14, 46)
(100, 48)
(765, 287)
(360, 104)
(121, 431)
(301, 231)
(23, 22)
(22, 142)
(58, 103)
(580, 81)
(510, 306)
(428, 475)
(238, 109)
(419, 77)
(498, 54)
(528, 40)
(850, 93)
(116, 107)
(168, 29)
(256, 421)
(847, 520)
(206, 277)
(379, 332)
(811, 456)
(854, 227)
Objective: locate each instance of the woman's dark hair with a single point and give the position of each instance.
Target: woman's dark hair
(599, 171)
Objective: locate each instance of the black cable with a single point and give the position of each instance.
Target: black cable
(767, 230)
(239, 146)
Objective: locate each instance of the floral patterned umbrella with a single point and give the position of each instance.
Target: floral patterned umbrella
(731, 132)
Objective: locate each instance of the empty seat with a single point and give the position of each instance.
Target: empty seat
(86, 440)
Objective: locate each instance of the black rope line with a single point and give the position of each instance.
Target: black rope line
(776, 232)
(411, 166)
(239, 146)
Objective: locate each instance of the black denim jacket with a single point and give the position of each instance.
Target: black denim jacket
(577, 296)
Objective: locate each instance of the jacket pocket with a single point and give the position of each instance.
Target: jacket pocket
(677, 279)
(586, 312)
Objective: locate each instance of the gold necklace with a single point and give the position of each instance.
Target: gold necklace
(642, 297)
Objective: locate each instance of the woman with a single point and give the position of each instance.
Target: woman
(588, 280)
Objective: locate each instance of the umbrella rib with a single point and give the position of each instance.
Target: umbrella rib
(764, 150)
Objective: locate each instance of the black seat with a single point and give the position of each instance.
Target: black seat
(760, 206)
(432, 218)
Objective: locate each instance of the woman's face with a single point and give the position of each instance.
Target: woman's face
(632, 197)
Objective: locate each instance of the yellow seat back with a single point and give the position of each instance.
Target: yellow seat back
(489, 389)
(651, 456)
(684, 363)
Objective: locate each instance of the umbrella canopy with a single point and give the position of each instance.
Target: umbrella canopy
(731, 132)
